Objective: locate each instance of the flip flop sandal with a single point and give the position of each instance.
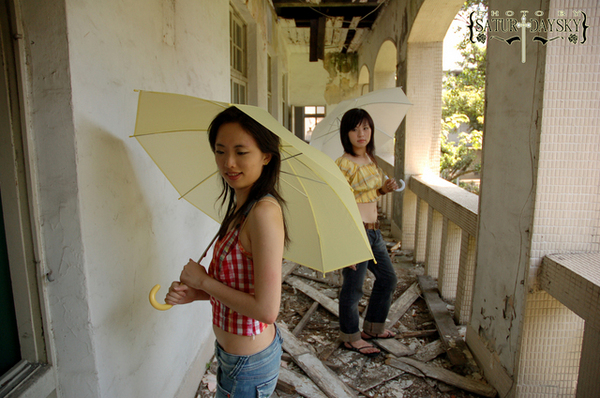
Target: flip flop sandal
(387, 335)
(350, 347)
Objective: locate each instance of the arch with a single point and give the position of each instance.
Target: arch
(384, 73)
(364, 78)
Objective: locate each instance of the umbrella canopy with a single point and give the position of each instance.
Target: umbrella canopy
(324, 224)
(387, 107)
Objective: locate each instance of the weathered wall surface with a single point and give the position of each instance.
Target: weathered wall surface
(110, 224)
(508, 187)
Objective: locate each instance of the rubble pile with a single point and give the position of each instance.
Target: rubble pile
(428, 357)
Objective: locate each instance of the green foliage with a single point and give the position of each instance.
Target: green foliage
(464, 92)
(463, 104)
(459, 159)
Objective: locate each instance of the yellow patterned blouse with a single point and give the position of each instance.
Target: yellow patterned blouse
(364, 180)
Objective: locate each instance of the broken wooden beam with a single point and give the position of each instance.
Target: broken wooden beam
(392, 346)
(429, 351)
(327, 280)
(454, 344)
(314, 294)
(320, 374)
(287, 268)
(416, 333)
(395, 247)
(446, 376)
(300, 384)
(403, 303)
(305, 318)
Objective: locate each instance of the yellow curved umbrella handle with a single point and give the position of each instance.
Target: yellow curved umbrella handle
(156, 304)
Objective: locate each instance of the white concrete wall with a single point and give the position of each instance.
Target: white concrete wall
(567, 210)
(110, 224)
(135, 232)
(308, 81)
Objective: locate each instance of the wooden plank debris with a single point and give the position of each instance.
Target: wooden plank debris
(375, 376)
(454, 344)
(416, 333)
(305, 318)
(328, 350)
(446, 376)
(313, 293)
(393, 346)
(403, 303)
(300, 384)
(287, 268)
(320, 374)
(429, 351)
(395, 247)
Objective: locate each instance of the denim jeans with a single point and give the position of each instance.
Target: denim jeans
(248, 376)
(381, 296)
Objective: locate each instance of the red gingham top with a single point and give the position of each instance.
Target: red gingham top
(233, 266)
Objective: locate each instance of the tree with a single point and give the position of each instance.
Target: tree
(463, 106)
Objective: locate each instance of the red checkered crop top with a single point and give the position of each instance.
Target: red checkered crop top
(234, 267)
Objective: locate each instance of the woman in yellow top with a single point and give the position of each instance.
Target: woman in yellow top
(368, 182)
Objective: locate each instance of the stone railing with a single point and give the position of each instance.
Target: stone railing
(445, 238)
(574, 280)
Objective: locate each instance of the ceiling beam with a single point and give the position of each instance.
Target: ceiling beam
(326, 4)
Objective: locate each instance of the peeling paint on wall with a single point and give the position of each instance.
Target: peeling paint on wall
(343, 76)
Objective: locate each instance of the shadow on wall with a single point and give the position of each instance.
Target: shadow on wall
(130, 244)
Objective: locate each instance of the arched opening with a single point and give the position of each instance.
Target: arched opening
(384, 73)
(364, 78)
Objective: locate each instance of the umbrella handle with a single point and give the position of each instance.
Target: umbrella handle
(156, 304)
(402, 185)
(156, 288)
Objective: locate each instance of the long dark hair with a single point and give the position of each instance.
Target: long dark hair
(350, 120)
(267, 183)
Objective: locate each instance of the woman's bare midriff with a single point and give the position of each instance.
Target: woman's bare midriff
(368, 212)
(244, 345)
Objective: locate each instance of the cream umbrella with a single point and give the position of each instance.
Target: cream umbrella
(387, 107)
(324, 224)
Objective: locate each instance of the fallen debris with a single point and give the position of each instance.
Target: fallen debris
(320, 374)
(305, 319)
(454, 344)
(445, 376)
(429, 352)
(291, 382)
(400, 306)
(315, 365)
(393, 346)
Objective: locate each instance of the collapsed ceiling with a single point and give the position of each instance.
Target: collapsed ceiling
(329, 25)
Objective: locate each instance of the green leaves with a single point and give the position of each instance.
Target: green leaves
(463, 109)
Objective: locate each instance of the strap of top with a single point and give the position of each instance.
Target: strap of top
(268, 197)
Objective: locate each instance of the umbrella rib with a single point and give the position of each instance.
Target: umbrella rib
(337, 194)
(306, 178)
(296, 189)
(197, 185)
(303, 164)
(165, 132)
(291, 156)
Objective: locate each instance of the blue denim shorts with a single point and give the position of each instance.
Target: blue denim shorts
(248, 376)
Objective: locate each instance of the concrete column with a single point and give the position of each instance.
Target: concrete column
(588, 384)
(449, 259)
(421, 230)
(420, 153)
(466, 278)
(435, 222)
